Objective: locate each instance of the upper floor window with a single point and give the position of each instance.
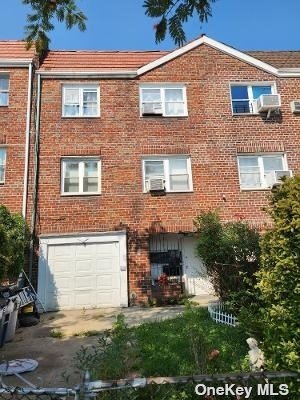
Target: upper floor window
(2, 164)
(80, 176)
(261, 171)
(172, 173)
(243, 96)
(4, 89)
(167, 101)
(81, 101)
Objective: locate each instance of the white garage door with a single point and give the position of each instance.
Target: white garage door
(82, 275)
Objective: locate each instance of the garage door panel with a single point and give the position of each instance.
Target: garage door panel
(84, 267)
(85, 283)
(109, 297)
(85, 250)
(83, 275)
(108, 281)
(65, 252)
(85, 299)
(107, 265)
(60, 283)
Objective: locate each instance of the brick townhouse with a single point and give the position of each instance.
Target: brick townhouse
(134, 145)
(16, 90)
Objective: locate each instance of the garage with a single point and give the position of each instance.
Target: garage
(84, 271)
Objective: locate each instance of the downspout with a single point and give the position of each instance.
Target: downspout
(27, 140)
(35, 175)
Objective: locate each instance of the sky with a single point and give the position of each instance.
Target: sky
(123, 25)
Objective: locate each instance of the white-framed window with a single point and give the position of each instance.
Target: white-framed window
(174, 171)
(257, 170)
(81, 101)
(2, 164)
(80, 176)
(243, 96)
(164, 100)
(4, 89)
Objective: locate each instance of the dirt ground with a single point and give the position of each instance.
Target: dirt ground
(56, 355)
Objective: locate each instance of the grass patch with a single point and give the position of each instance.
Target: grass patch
(87, 333)
(57, 334)
(186, 345)
(183, 346)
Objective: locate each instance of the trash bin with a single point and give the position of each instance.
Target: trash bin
(7, 309)
(12, 323)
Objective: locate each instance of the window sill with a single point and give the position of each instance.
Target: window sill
(163, 116)
(166, 192)
(80, 117)
(264, 189)
(79, 194)
(245, 114)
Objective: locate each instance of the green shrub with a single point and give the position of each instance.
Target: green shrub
(114, 355)
(230, 253)
(13, 239)
(279, 277)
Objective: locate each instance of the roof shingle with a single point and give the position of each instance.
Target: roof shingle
(15, 49)
(278, 59)
(98, 60)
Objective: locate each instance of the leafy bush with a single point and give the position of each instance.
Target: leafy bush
(181, 346)
(114, 355)
(231, 254)
(13, 239)
(279, 277)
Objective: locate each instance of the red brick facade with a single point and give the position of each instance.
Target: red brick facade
(13, 137)
(120, 137)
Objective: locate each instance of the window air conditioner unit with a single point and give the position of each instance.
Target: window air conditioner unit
(268, 102)
(295, 105)
(156, 185)
(152, 109)
(275, 177)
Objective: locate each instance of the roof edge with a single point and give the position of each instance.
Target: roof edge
(212, 43)
(15, 62)
(86, 74)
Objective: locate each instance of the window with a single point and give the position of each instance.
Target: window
(254, 170)
(2, 164)
(168, 101)
(4, 89)
(174, 171)
(80, 176)
(243, 96)
(81, 101)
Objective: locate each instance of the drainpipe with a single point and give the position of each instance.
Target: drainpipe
(27, 140)
(35, 175)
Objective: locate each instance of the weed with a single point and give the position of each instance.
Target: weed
(87, 333)
(57, 334)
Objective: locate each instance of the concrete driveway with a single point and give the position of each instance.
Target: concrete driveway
(55, 355)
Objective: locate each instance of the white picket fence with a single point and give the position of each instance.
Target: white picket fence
(218, 312)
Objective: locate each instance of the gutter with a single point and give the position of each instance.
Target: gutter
(87, 74)
(35, 175)
(11, 62)
(27, 140)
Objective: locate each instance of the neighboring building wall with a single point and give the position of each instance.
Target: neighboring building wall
(12, 138)
(120, 138)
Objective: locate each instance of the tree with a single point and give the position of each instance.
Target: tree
(40, 21)
(230, 252)
(279, 277)
(13, 239)
(172, 13)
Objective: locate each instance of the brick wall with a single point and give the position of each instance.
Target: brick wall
(120, 137)
(12, 137)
